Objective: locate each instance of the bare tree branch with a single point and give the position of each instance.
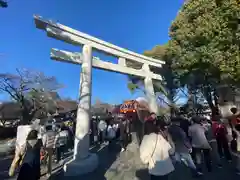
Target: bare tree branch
(31, 90)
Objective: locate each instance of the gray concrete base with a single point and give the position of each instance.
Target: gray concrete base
(77, 167)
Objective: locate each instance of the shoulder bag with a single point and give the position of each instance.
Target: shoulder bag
(151, 161)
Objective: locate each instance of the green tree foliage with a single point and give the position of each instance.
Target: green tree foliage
(136, 83)
(207, 33)
(3, 4)
(170, 80)
(169, 87)
(205, 41)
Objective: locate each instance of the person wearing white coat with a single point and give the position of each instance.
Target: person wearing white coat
(156, 151)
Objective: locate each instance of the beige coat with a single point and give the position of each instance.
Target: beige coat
(155, 151)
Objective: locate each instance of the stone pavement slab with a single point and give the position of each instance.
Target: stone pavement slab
(116, 165)
(6, 160)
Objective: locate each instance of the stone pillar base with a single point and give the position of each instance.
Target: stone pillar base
(77, 167)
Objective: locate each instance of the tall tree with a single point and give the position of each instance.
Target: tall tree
(170, 86)
(31, 90)
(205, 41)
(136, 83)
(2, 119)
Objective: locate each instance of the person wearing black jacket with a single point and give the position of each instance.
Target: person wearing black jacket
(30, 169)
(125, 132)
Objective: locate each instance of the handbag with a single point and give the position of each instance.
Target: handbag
(151, 161)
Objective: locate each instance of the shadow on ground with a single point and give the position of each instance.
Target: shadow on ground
(5, 163)
(127, 166)
(142, 174)
(183, 173)
(107, 157)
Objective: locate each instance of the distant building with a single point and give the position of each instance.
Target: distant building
(9, 111)
(101, 108)
(12, 111)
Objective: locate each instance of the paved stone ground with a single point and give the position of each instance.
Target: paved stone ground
(127, 166)
(6, 147)
(5, 162)
(6, 157)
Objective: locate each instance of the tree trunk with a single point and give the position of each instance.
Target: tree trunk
(215, 95)
(226, 94)
(208, 95)
(172, 110)
(26, 117)
(27, 112)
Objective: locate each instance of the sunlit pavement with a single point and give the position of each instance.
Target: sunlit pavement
(116, 165)
(5, 162)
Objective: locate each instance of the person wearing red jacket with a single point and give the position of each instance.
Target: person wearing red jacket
(220, 132)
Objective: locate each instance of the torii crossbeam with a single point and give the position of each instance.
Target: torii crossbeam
(84, 162)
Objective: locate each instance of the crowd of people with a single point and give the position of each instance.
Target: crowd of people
(51, 141)
(113, 129)
(42, 146)
(191, 142)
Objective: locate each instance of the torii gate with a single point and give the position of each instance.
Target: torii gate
(83, 161)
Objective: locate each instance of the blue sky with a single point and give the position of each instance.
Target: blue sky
(137, 25)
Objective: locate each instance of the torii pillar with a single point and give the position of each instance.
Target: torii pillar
(148, 85)
(84, 162)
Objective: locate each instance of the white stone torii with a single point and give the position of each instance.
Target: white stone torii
(83, 161)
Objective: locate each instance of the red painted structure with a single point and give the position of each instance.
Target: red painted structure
(132, 109)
